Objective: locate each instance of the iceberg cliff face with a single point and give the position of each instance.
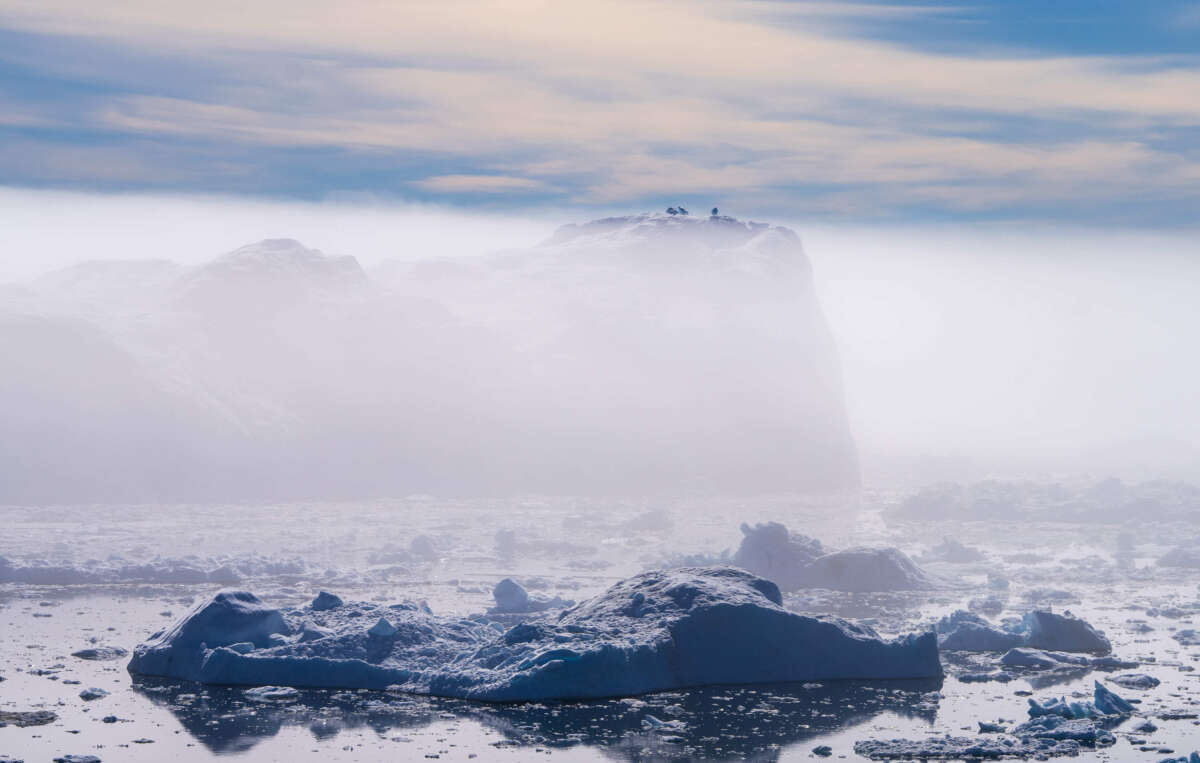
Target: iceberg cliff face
(657, 631)
(637, 355)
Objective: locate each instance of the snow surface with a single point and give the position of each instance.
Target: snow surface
(656, 631)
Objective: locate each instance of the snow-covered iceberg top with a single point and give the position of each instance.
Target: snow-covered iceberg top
(657, 631)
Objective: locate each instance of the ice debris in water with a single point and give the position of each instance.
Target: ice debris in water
(100, 653)
(960, 748)
(1063, 633)
(93, 693)
(656, 631)
(1056, 728)
(1104, 702)
(383, 629)
(1037, 659)
(272, 693)
(23, 718)
(512, 598)
(1187, 637)
(1135, 681)
(797, 561)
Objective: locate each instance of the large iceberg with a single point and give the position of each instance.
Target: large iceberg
(657, 631)
(634, 355)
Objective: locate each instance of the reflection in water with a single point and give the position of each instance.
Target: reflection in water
(962, 665)
(714, 722)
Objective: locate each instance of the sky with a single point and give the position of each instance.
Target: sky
(1080, 112)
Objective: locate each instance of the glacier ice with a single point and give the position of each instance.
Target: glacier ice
(656, 631)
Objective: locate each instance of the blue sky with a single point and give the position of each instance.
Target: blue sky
(1064, 110)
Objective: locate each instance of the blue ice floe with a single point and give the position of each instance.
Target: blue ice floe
(661, 630)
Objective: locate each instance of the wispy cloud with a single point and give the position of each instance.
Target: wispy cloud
(606, 100)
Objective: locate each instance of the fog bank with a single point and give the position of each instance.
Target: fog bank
(961, 352)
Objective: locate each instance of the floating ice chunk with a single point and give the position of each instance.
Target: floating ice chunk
(382, 629)
(657, 631)
(655, 724)
(1135, 681)
(23, 718)
(1187, 637)
(77, 759)
(1037, 659)
(512, 598)
(272, 693)
(972, 636)
(983, 677)
(1193, 758)
(770, 551)
(229, 617)
(325, 601)
(1104, 702)
(1063, 633)
(100, 653)
(1109, 703)
(1057, 728)
(964, 748)
(1043, 630)
(93, 693)
(864, 570)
